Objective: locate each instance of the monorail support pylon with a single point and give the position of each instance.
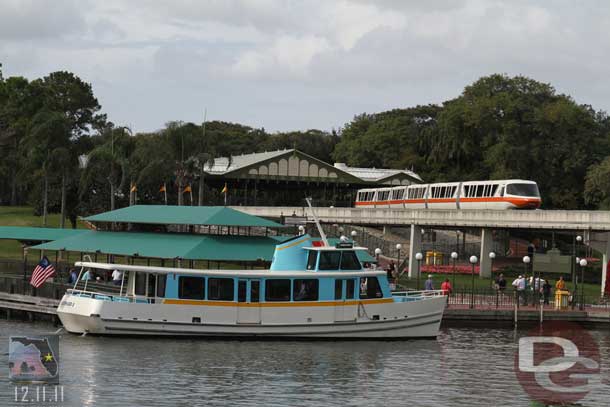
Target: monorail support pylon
(414, 248)
(484, 260)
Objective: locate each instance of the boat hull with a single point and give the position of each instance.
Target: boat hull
(362, 320)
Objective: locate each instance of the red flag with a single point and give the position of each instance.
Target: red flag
(43, 270)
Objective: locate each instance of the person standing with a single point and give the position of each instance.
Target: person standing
(501, 283)
(446, 287)
(560, 284)
(519, 286)
(117, 277)
(429, 285)
(546, 291)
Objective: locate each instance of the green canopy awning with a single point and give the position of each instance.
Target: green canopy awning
(183, 215)
(170, 245)
(33, 234)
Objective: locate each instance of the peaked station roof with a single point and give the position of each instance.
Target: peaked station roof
(246, 163)
(183, 215)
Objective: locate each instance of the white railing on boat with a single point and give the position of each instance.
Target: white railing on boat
(418, 294)
(112, 297)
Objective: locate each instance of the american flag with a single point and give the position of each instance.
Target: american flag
(43, 270)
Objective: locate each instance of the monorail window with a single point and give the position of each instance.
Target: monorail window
(329, 260)
(349, 261)
(277, 290)
(369, 288)
(221, 289)
(311, 260)
(305, 290)
(191, 288)
(523, 189)
(161, 280)
(453, 189)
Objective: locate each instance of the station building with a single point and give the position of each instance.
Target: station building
(286, 177)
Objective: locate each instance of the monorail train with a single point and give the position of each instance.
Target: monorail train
(499, 194)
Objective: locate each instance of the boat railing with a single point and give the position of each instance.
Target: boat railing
(419, 294)
(96, 295)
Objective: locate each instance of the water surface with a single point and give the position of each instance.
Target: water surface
(465, 366)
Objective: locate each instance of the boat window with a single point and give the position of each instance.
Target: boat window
(255, 289)
(191, 287)
(349, 261)
(140, 288)
(523, 189)
(161, 280)
(338, 289)
(277, 290)
(311, 260)
(241, 290)
(329, 260)
(220, 289)
(305, 290)
(150, 292)
(349, 291)
(369, 288)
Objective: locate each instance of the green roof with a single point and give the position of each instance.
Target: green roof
(170, 245)
(183, 215)
(33, 234)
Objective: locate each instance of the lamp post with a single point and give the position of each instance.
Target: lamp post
(473, 260)
(577, 241)
(492, 256)
(301, 230)
(583, 264)
(454, 257)
(526, 262)
(418, 257)
(398, 247)
(377, 254)
(354, 234)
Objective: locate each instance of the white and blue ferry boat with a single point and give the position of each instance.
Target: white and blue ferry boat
(310, 291)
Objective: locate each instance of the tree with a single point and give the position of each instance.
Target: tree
(45, 148)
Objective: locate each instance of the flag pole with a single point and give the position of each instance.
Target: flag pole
(165, 192)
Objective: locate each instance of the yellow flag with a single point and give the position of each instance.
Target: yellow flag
(187, 189)
(133, 188)
(162, 189)
(225, 189)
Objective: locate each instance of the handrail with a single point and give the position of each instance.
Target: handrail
(421, 293)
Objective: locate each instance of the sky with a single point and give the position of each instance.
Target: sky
(297, 65)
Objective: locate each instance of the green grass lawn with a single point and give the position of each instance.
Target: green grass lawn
(22, 216)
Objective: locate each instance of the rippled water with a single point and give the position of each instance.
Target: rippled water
(465, 366)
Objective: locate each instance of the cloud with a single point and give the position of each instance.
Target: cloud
(35, 20)
(288, 64)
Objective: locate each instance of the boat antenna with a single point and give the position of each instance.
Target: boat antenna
(315, 218)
